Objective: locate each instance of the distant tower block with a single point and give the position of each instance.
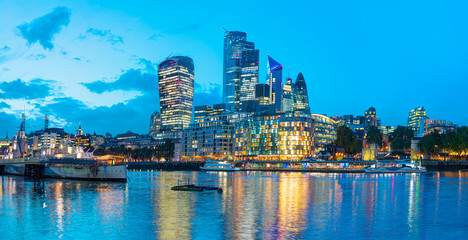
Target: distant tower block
(46, 123)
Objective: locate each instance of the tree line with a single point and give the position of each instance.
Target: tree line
(451, 142)
(455, 142)
(163, 151)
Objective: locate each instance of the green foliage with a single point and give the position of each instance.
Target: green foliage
(374, 135)
(402, 132)
(397, 144)
(345, 138)
(431, 142)
(357, 146)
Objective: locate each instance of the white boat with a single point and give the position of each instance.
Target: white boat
(395, 167)
(212, 165)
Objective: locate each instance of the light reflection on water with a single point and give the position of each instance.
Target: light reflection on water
(262, 205)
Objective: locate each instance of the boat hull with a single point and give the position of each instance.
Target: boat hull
(78, 172)
(395, 170)
(219, 169)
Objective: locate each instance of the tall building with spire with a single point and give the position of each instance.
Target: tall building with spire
(249, 74)
(175, 84)
(46, 122)
(234, 44)
(275, 76)
(79, 132)
(300, 96)
(287, 96)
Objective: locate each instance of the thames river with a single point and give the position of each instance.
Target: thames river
(254, 205)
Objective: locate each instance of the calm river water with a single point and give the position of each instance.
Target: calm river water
(254, 205)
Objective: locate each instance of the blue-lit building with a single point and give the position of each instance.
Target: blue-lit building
(275, 81)
(287, 95)
(234, 44)
(417, 121)
(249, 74)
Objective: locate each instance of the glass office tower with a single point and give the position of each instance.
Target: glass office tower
(249, 74)
(234, 44)
(175, 83)
(300, 96)
(275, 80)
(287, 96)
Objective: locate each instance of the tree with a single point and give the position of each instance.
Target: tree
(453, 142)
(397, 144)
(402, 132)
(430, 143)
(374, 135)
(345, 139)
(357, 146)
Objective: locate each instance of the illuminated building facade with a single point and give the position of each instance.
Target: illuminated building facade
(202, 111)
(278, 137)
(325, 131)
(386, 129)
(155, 124)
(417, 120)
(287, 96)
(275, 81)
(234, 44)
(371, 117)
(262, 94)
(249, 74)
(210, 137)
(300, 96)
(350, 119)
(175, 83)
(441, 126)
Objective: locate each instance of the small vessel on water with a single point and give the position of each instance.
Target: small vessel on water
(190, 187)
(213, 165)
(395, 167)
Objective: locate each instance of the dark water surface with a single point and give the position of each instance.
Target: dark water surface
(254, 205)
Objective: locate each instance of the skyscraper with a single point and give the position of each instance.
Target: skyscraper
(300, 96)
(249, 74)
(287, 96)
(234, 44)
(175, 83)
(275, 80)
(417, 120)
(262, 93)
(155, 124)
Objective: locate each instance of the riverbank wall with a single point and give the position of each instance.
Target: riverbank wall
(445, 165)
(166, 166)
(195, 166)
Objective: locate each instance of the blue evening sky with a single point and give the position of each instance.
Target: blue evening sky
(95, 61)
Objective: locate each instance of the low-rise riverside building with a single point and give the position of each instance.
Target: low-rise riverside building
(210, 137)
(325, 132)
(275, 137)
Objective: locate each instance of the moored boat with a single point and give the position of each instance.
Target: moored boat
(395, 167)
(213, 165)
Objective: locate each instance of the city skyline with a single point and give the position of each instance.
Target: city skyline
(67, 80)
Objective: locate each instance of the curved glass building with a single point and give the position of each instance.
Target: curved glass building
(175, 83)
(300, 96)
